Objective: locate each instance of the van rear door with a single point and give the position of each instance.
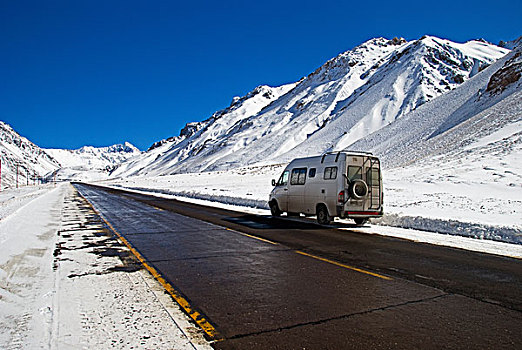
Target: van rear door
(365, 184)
(374, 181)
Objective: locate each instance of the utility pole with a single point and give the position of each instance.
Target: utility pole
(27, 177)
(16, 174)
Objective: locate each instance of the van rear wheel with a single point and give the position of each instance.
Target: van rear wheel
(323, 217)
(360, 221)
(274, 209)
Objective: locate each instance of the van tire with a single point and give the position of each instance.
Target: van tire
(274, 209)
(360, 221)
(323, 217)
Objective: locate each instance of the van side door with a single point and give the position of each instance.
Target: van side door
(330, 185)
(296, 190)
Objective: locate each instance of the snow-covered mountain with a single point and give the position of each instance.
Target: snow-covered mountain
(351, 96)
(91, 163)
(163, 154)
(481, 107)
(19, 155)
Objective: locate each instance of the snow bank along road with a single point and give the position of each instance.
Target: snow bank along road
(254, 282)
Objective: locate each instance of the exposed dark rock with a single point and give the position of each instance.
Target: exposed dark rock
(458, 78)
(505, 76)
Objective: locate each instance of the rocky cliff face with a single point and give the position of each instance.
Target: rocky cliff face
(509, 75)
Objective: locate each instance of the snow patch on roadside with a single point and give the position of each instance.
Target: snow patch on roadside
(66, 282)
(13, 199)
(26, 276)
(453, 227)
(460, 242)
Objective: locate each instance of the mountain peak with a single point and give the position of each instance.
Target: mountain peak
(512, 44)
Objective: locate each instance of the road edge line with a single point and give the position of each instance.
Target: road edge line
(197, 317)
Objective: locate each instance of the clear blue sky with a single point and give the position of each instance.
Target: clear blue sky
(81, 72)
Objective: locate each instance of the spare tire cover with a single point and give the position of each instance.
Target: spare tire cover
(358, 189)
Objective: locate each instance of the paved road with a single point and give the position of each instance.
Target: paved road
(266, 283)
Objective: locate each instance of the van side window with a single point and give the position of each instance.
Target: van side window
(311, 172)
(283, 179)
(330, 173)
(354, 172)
(298, 176)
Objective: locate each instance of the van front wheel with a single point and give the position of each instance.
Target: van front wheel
(274, 209)
(323, 217)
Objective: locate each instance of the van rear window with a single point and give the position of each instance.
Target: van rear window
(298, 176)
(354, 172)
(330, 173)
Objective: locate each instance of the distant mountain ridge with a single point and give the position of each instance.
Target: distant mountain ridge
(19, 155)
(91, 163)
(348, 98)
(91, 156)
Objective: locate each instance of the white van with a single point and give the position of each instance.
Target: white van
(336, 184)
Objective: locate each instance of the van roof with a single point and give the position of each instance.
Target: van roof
(347, 151)
(303, 160)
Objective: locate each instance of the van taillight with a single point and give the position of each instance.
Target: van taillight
(340, 198)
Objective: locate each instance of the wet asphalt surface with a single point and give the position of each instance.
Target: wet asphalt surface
(382, 293)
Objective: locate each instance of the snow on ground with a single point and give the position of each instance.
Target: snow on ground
(81, 173)
(14, 198)
(65, 282)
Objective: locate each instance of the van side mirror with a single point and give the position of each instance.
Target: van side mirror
(273, 182)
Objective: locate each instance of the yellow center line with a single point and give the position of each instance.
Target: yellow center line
(320, 258)
(254, 237)
(345, 266)
(208, 328)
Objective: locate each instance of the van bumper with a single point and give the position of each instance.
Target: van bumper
(360, 214)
